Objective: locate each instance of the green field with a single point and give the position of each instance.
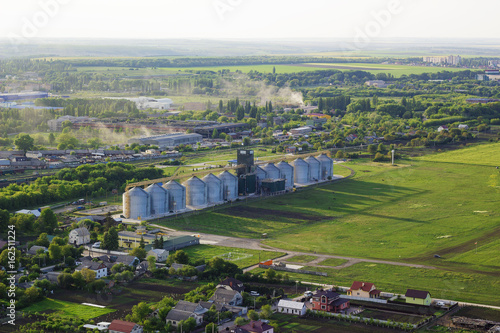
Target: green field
(396, 70)
(332, 262)
(406, 213)
(302, 258)
(68, 309)
(241, 257)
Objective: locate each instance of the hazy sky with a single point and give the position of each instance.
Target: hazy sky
(219, 19)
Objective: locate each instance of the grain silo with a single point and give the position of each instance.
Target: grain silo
(196, 192)
(176, 196)
(326, 169)
(229, 185)
(286, 171)
(272, 171)
(136, 203)
(260, 174)
(301, 171)
(314, 168)
(214, 188)
(158, 199)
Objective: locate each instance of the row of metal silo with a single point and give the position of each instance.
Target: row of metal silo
(154, 200)
(312, 169)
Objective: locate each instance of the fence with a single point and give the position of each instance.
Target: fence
(374, 300)
(292, 270)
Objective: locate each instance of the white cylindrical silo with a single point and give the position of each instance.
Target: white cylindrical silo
(286, 171)
(157, 199)
(214, 188)
(326, 166)
(176, 196)
(260, 174)
(314, 168)
(138, 203)
(229, 185)
(272, 171)
(301, 171)
(196, 192)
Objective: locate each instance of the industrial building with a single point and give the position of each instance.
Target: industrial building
(250, 179)
(169, 140)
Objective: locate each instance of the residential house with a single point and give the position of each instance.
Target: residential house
(232, 284)
(79, 236)
(256, 327)
(442, 128)
(292, 307)
(419, 297)
(159, 254)
(224, 296)
(301, 130)
(329, 301)
(184, 310)
(120, 326)
(34, 249)
(35, 212)
(463, 127)
(100, 269)
(363, 289)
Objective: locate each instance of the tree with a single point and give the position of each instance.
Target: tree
(139, 253)
(240, 112)
(88, 275)
(339, 154)
(5, 261)
(151, 262)
(266, 311)
(24, 142)
(253, 315)
(381, 148)
(47, 221)
(142, 245)
(215, 134)
(4, 219)
(247, 141)
(179, 257)
(372, 149)
(110, 240)
(78, 279)
(42, 240)
(65, 280)
(55, 252)
(240, 321)
(140, 312)
(187, 325)
(52, 138)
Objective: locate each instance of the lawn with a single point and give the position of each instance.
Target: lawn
(241, 257)
(68, 309)
(333, 262)
(302, 258)
(487, 154)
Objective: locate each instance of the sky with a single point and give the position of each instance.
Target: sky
(248, 19)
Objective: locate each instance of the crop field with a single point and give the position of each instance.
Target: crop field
(479, 313)
(68, 309)
(241, 257)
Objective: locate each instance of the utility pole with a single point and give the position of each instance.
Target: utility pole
(392, 157)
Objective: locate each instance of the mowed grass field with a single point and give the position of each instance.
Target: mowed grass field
(476, 155)
(241, 257)
(405, 213)
(68, 309)
(396, 70)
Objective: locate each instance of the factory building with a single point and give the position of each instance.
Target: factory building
(252, 179)
(169, 140)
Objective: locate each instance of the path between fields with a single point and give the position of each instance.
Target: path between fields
(255, 244)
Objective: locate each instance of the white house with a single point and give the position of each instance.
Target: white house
(159, 254)
(442, 128)
(98, 267)
(463, 127)
(292, 307)
(79, 236)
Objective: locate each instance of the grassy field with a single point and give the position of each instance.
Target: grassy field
(407, 213)
(68, 309)
(241, 257)
(332, 262)
(396, 70)
(302, 258)
(445, 284)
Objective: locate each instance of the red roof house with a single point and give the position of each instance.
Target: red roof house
(120, 326)
(363, 289)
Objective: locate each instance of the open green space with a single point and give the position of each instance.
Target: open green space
(333, 262)
(479, 313)
(443, 284)
(487, 154)
(241, 257)
(301, 258)
(68, 309)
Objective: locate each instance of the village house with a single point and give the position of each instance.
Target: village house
(363, 289)
(184, 310)
(232, 284)
(255, 327)
(159, 254)
(329, 301)
(224, 296)
(120, 326)
(99, 268)
(79, 236)
(292, 307)
(419, 297)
